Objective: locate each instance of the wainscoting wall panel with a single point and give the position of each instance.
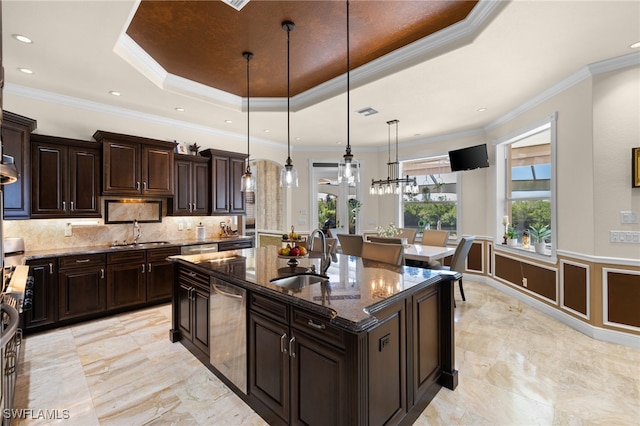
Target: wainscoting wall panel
(534, 278)
(575, 288)
(621, 298)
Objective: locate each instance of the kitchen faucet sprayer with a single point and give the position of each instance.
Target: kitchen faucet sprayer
(325, 260)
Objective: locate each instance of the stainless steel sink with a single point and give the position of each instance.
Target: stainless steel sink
(141, 245)
(298, 281)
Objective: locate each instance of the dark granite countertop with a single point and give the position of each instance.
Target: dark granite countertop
(70, 251)
(356, 290)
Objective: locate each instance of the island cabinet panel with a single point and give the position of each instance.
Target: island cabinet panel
(136, 166)
(193, 311)
(387, 371)
(16, 136)
(45, 285)
(82, 287)
(427, 363)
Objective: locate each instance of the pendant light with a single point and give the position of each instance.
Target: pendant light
(288, 174)
(248, 183)
(348, 168)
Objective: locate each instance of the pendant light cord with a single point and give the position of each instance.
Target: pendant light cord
(248, 56)
(348, 79)
(288, 26)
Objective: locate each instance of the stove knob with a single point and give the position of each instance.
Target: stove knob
(29, 283)
(27, 304)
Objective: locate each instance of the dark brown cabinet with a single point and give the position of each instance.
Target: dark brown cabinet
(191, 195)
(82, 288)
(227, 169)
(126, 278)
(193, 309)
(297, 364)
(45, 280)
(234, 244)
(160, 274)
(65, 177)
(136, 166)
(16, 135)
(427, 359)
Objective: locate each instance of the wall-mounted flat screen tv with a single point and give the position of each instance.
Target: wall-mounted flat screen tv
(473, 157)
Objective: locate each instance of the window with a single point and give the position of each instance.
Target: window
(526, 189)
(436, 203)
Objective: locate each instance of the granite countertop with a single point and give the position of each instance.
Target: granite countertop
(357, 288)
(70, 251)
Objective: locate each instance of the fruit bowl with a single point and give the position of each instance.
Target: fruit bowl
(293, 260)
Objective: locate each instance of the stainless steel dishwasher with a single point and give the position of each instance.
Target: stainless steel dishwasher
(228, 331)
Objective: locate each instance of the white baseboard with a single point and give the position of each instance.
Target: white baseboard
(599, 333)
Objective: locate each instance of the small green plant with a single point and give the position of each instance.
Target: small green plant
(389, 231)
(539, 233)
(511, 233)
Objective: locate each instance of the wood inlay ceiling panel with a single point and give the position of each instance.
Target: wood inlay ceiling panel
(203, 41)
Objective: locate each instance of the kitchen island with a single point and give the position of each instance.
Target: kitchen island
(371, 343)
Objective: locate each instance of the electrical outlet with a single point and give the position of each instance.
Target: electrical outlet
(189, 225)
(68, 230)
(180, 226)
(524, 282)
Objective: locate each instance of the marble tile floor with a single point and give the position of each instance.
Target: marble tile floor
(516, 367)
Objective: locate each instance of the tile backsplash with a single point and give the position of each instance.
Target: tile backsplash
(48, 234)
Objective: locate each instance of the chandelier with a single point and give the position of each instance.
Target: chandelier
(394, 184)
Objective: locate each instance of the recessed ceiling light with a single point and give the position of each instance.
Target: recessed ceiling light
(23, 39)
(482, 109)
(25, 70)
(114, 93)
(635, 45)
(338, 143)
(179, 109)
(267, 130)
(228, 121)
(298, 139)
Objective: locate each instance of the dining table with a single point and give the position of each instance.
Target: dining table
(424, 253)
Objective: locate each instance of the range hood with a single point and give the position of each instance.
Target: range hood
(8, 170)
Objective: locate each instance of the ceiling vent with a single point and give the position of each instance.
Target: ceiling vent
(367, 111)
(236, 4)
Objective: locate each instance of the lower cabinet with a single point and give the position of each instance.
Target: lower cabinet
(160, 274)
(193, 308)
(45, 286)
(82, 287)
(297, 364)
(126, 278)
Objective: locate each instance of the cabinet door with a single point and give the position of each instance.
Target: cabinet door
(126, 284)
(200, 190)
(49, 174)
(157, 171)
(84, 178)
(121, 168)
(185, 311)
(16, 131)
(427, 364)
(160, 274)
(236, 196)
(82, 291)
(42, 312)
(220, 184)
(200, 319)
(318, 383)
(182, 194)
(269, 364)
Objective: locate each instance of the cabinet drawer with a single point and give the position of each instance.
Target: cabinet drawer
(154, 255)
(190, 277)
(79, 261)
(271, 308)
(318, 327)
(234, 245)
(127, 256)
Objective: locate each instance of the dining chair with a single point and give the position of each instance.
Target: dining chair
(387, 253)
(458, 262)
(351, 244)
(435, 238)
(408, 233)
(385, 240)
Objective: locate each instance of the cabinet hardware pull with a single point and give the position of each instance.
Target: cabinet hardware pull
(315, 325)
(292, 353)
(191, 274)
(64, 205)
(149, 269)
(189, 290)
(83, 260)
(144, 185)
(282, 340)
(138, 186)
(72, 209)
(101, 273)
(50, 268)
(142, 268)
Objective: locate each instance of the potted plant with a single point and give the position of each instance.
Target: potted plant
(539, 235)
(512, 241)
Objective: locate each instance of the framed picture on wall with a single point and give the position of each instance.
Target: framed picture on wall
(635, 168)
(181, 149)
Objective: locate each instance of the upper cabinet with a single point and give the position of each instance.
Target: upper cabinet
(191, 186)
(227, 169)
(65, 177)
(136, 166)
(16, 134)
